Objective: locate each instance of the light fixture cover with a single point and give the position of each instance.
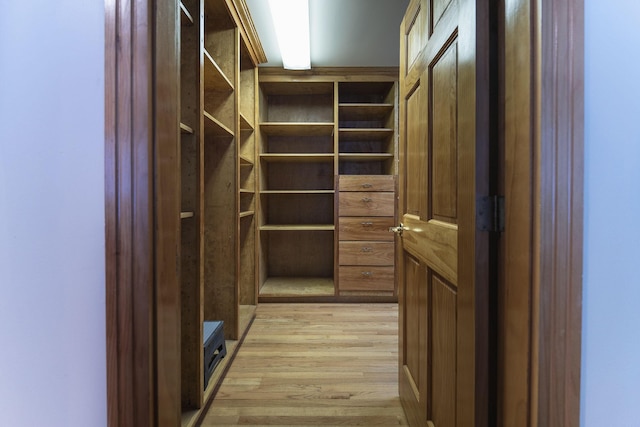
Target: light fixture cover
(291, 23)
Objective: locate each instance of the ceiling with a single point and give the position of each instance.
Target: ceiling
(344, 33)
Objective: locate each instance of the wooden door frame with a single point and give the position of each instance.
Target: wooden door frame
(543, 90)
(141, 188)
(558, 190)
(142, 213)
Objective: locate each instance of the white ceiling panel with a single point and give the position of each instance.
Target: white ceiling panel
(344, 33)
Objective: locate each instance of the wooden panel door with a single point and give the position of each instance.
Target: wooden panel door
(442, 258)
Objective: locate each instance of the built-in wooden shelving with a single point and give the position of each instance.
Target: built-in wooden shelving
(219, 53)
(314, 126)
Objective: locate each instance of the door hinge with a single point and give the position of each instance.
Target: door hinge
(490, 213)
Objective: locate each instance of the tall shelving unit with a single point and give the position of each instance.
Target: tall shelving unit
(297, 124)
(219, 55)
(314, 126)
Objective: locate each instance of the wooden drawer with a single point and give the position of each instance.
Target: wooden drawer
(365, 228)
(366, 183)
(365, 278)
(361, 203)
(366, 253)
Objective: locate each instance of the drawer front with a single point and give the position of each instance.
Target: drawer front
(365, 278)
(366, 183)
(365, 228)
(366, 253)
(359, 203)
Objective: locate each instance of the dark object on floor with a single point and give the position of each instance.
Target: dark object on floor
(214, 347)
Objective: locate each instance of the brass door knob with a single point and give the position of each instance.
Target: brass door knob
(398, 230)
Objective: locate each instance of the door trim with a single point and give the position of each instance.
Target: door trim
(542, 245)
(559, 184)
(142, 214)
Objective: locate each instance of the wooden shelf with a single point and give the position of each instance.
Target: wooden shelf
(365, 157)
(245, 191)
(185, 129)
(298, 157)
(363, 111)
(297, 286)
(184, 215)
(185, 17)
(296, 129)
(245, 161)
(297, 192)
(213, 127)
(214, 78)
(246, 214)
(245, 124)
(297, 227)
(295, 88)
(348, 134)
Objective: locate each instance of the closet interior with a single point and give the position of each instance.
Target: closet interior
(288, 186)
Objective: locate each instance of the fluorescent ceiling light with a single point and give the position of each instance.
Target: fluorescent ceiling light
(291, 22)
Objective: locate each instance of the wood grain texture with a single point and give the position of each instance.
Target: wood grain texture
(443, 315)
(167, 204)
(366, 183)
(561, 168)
(128, 215)
(314, 364)
(365, 278)
(367, 203)
(475, 154)
(366, 228)
(514, 348)
(220, 240)
(220, 36)
(435, 243)
(297, 286)
(191, 154)
(443, 141)
(366, 253)
(415, 156)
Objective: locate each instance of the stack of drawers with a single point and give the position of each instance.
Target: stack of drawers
(366, 210)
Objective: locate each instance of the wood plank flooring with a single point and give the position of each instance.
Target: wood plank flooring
(314, 364)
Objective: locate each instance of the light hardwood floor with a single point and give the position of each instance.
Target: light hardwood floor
(314, 364)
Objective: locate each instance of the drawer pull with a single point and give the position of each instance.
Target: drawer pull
(367, 199)
(367, 274)
(367, 185)
(366, 249)
(367, 223)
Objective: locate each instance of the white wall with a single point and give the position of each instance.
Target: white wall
(611, 305)
(52, 298)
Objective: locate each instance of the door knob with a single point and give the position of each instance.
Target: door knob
(398, 230)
